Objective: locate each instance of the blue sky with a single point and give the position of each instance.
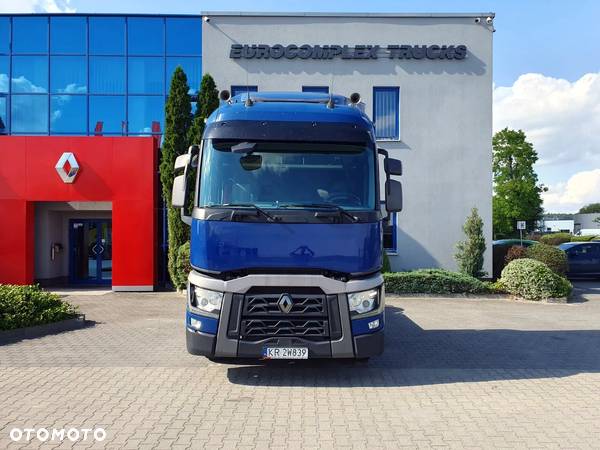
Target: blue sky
(546, 71)
(548, 36)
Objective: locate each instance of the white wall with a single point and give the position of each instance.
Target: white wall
(446, 109)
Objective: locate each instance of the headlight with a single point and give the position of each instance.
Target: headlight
(206, 301)
(363, 302)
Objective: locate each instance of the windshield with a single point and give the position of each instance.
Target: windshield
(283, 174)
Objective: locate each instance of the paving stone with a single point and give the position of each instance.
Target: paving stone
(456, 373)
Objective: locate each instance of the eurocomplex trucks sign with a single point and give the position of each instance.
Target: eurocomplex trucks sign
(306, 51)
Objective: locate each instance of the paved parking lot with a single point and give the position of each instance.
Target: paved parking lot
(460, 373)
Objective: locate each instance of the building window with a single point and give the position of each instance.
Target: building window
(107, 75)
(30, 35)
(4, 74)
(236, 90)
(390, 231)
(192, 66)
(30, 74)
(68, 35)
(4, 35)
(68, 114)
(386, 112)
(107, 36)
(146, 114)
(184, 36)
(145, 36)
(3, 115)
(68, 74)
(29, 114)
(107, 114)
(146, 75)
(320, 89)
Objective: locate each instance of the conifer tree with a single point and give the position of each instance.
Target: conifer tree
(470, 251)
(178, 117)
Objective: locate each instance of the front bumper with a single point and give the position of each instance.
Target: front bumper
(203, 344)
(356, 337)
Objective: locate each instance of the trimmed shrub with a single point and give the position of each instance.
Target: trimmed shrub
(183, 266)
(556, 238)
(515, 252)
(434, 281)
(25, 306)
(533, 236)
(533, 280)
(582, 238)
(553, 257)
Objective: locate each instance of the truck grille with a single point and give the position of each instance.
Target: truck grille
(262, 318)
(262, 328)
(267, 304)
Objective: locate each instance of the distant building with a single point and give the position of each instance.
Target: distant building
(559, 225)
(584, 224)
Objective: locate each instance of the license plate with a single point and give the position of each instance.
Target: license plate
(285, 352)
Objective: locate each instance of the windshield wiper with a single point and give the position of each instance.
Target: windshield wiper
(258, 209)
(338, 208)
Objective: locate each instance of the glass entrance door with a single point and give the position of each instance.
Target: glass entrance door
(91, 251)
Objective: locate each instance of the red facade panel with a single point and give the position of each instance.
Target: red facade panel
(121, 170)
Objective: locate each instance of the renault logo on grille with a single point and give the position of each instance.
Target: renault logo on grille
(285, 303)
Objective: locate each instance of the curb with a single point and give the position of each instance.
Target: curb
(451, 296)
(37, 331)
(506, 297)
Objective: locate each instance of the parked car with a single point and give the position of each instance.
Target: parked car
(584, 258)
(500, 249)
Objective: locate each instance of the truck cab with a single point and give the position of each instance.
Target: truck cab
(286, 229)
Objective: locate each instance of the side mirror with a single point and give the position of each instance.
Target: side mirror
(392, 166)
(393, 188)
(393, 196)
(182, 161)
(178, 195)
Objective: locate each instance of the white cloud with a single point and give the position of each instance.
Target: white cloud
(562, 120)
(580, 189)
(36, 6)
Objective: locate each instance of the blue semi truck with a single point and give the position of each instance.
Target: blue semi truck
(286, 228)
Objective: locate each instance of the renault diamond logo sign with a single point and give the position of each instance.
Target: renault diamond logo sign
(67, 167)
(285, 303)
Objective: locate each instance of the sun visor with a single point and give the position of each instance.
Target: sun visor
(251, 130)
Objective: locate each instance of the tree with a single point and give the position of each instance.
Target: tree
(178, 116)
(470, 252)
(591, 208)
(517, 194)
(208, 101)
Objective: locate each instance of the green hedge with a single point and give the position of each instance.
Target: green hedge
(584, 238)
(182, 266)
(25, 306)
(556, 238)
(553, 257)
(434, 281)
(533, 280)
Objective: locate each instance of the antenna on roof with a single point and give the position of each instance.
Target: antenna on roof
(248, 101)
(330, 103)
